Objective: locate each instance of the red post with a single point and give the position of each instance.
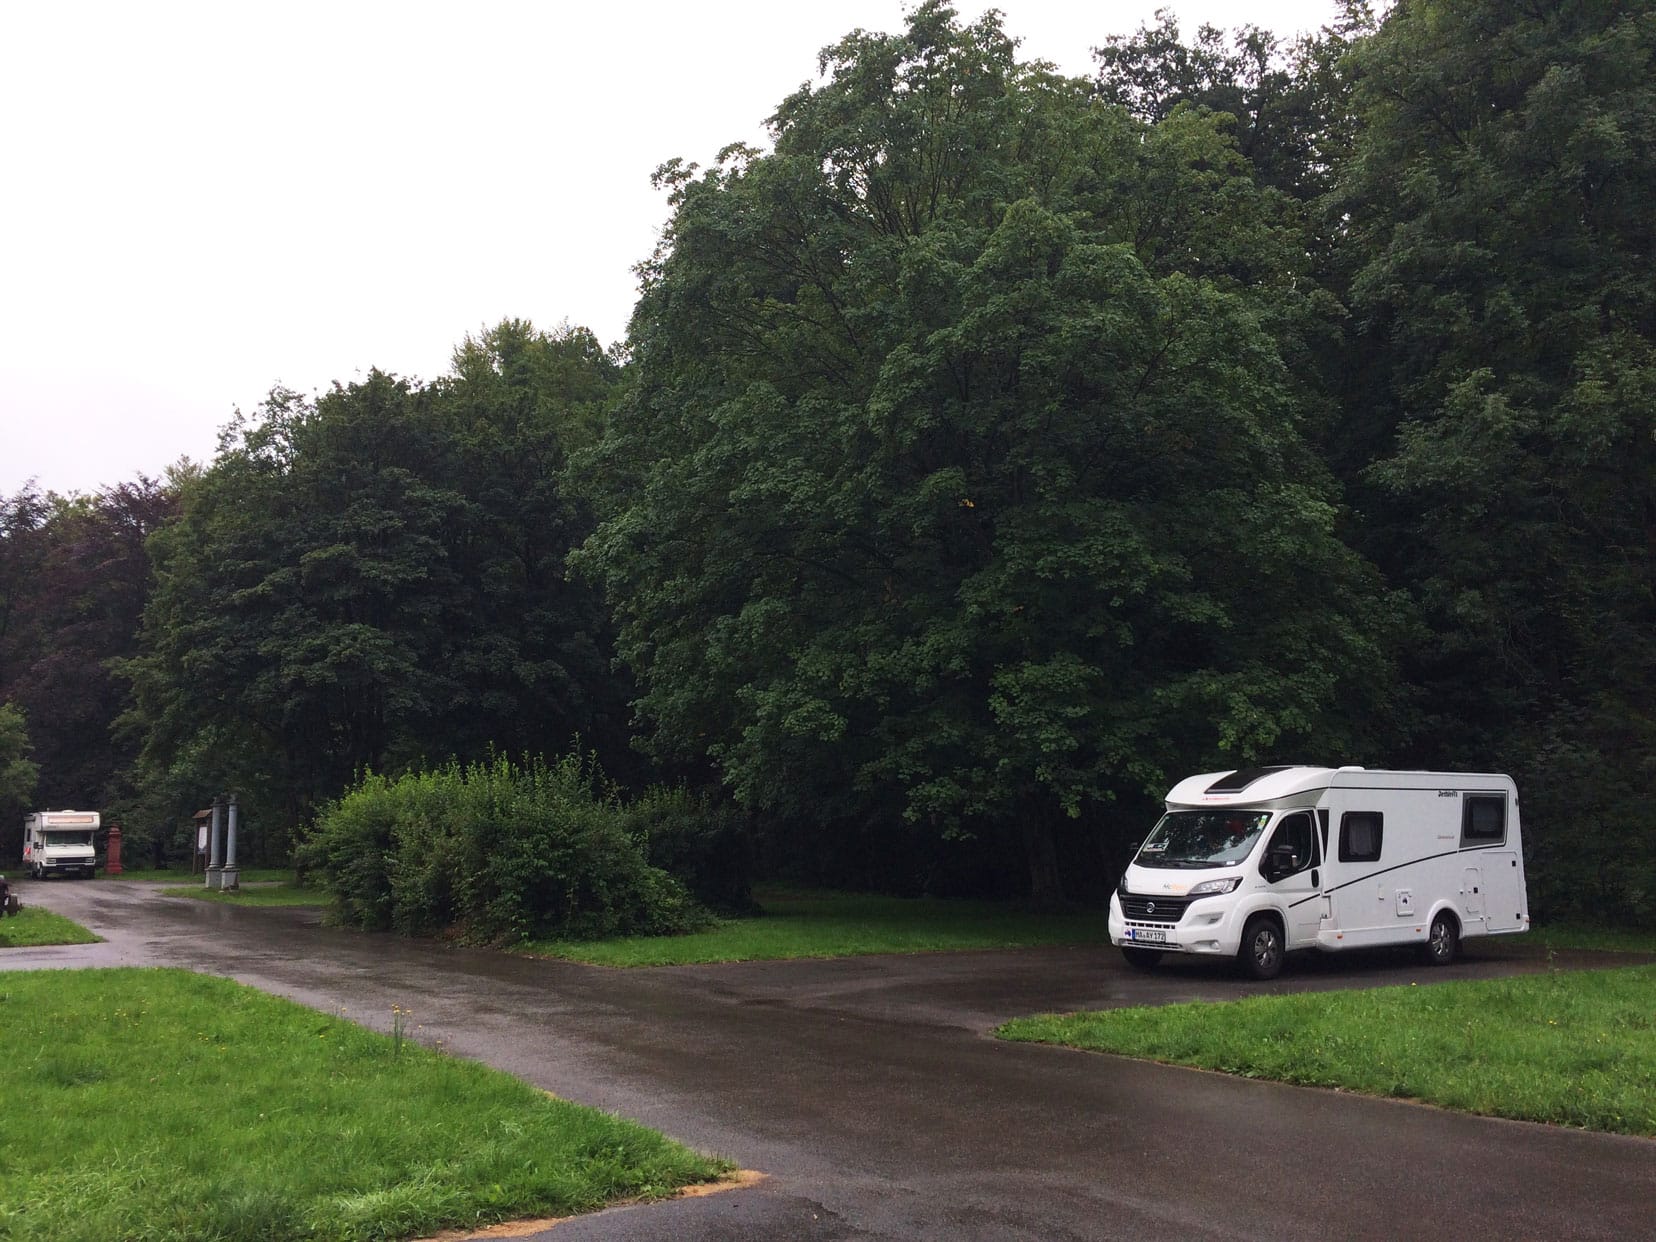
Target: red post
(113, 867)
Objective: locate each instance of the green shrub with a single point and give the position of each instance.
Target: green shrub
(702, 842)
(494, 853)
(352, 854)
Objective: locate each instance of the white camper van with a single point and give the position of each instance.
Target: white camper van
(59, 843)
(1254, 863)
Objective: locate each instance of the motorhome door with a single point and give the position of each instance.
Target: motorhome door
(1292, 866)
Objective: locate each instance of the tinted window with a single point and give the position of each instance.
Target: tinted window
(1360, 833)
(1483, 820)
(1202, 838)
(1296, 833)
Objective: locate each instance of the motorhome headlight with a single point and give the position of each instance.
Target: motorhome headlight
(1212, 888)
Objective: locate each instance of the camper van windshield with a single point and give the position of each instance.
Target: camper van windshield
(68, 838)
(1202, 838)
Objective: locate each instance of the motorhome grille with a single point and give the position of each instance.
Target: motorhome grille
(1154, 909)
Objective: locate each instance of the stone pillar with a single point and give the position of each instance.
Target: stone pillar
(230, 877)
(112, 865)
(215, 869)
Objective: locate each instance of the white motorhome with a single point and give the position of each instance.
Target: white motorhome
(1254, 863)
(59, 843)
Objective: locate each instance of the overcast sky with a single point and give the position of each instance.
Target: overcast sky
(203, 200)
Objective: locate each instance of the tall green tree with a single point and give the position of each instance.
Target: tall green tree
(18, 775)
(1288, 102)
(301, 595)
(89, 604)
(962, 473)
(25, 552)
(374, 578)
(1503, 244)
(74, 577)
(536, 665)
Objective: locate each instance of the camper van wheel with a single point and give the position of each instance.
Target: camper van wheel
(1142, 959)
(1261, 951)
(1443, 940)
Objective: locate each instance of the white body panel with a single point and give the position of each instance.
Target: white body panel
(1393, 851)
(60, 843)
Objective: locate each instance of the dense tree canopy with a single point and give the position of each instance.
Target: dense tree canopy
(1502, 206)
(375, 577)
(18, 773)
(962, 475)
(74, 577)
(18, 777)
(1289, 106)
(25, 555)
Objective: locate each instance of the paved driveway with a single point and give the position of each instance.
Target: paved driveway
(869, 1090)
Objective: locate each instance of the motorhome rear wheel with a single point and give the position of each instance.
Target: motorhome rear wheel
(1443, 941)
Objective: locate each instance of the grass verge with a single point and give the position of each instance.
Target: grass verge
(273, 895)
(249, 875)
(797, 925)
(31, 926)
(1566, 1048)
(1581, 936)
(163, 1104)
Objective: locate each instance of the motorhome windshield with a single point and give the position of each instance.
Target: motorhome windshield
(1202, 838)
(68, 838)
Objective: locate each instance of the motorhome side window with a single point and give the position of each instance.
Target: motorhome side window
(1483, 820)
(1360, 833)
(1294, 835)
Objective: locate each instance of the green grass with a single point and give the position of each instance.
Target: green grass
(178, 875)
(840, 925)
(273, 895)
(32, 926)
(1567, 1048)
(1581, 936)
(820, 924)
(162, 1104)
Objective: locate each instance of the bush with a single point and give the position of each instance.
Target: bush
(702, 842)
(494, 853)
(352, 850)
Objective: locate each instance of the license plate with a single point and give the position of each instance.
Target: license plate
(1153, 934)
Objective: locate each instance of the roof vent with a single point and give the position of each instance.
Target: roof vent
(1239, 780)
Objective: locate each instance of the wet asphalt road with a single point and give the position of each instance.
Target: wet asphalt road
(870, 1092)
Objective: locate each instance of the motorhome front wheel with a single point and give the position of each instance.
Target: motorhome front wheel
(1261, 951)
